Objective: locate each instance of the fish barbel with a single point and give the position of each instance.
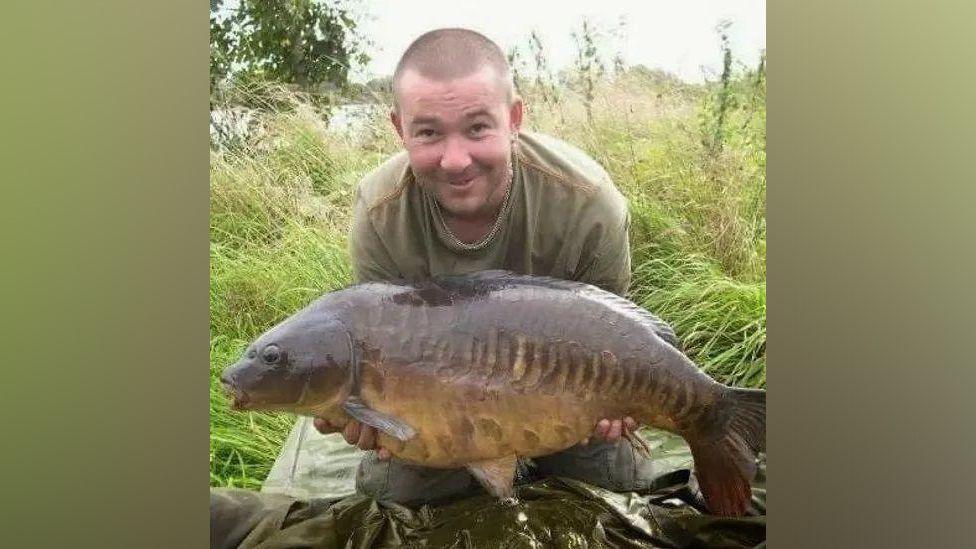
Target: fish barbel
(476, 370)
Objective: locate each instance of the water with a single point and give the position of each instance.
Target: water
(354, 118)
(230, 126)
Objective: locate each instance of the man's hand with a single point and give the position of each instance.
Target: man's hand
(355, 433)
(611, 431)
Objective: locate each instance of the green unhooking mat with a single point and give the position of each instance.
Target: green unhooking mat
(553, 512)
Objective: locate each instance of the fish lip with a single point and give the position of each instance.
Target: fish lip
(241, 401)
(240, 398)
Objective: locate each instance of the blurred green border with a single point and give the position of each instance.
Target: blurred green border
(105, 145)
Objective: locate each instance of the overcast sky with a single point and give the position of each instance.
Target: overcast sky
(678, 36)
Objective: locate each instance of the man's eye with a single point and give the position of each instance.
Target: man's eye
(479, 128)
(425, 133)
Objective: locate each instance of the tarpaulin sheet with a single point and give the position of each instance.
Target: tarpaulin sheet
(552, 512)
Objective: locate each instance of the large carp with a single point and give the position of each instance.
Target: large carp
(473, 371)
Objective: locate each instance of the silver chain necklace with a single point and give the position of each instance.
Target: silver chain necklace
(494, 228)
(506, 201)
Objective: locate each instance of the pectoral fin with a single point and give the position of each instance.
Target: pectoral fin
(496, 475)
(390, 425)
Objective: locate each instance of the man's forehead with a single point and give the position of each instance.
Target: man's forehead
(482, 87)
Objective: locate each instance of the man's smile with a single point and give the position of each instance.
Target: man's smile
(462, 184)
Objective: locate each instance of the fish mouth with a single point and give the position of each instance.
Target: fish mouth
(240, 402)
(239, 399)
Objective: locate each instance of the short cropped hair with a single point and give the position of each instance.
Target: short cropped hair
(446, 54)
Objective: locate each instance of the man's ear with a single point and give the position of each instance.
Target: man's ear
(397, 123)
(515, 115)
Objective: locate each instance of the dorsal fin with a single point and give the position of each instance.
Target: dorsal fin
(660, 327)
(490, 280)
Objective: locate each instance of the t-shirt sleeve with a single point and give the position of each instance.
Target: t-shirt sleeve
(370, 259)
(605, 262)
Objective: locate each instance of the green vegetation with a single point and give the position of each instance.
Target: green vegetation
(308, 43)
(691, 160)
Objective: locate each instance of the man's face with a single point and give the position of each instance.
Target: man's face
(458, 136)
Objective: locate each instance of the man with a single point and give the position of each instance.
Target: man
(473, 192)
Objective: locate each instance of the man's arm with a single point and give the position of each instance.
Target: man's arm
(370, 259)
(605, 262)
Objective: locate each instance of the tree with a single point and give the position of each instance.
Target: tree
(221, 45)
(307, 43)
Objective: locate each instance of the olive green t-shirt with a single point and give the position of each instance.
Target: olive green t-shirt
(563, 217)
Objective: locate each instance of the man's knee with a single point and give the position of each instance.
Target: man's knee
(398, 482)
(612, 465)
(372, 477)
(236, 513)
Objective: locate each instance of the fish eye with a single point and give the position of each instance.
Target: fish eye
(271, 354)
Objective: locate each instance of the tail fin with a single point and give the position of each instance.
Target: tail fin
(725, 454)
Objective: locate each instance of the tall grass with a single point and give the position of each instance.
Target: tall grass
(280, 206)
(279, 210)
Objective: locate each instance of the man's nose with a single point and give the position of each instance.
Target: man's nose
(455, 158)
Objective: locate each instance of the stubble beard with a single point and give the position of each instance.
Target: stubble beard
(489, 207)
